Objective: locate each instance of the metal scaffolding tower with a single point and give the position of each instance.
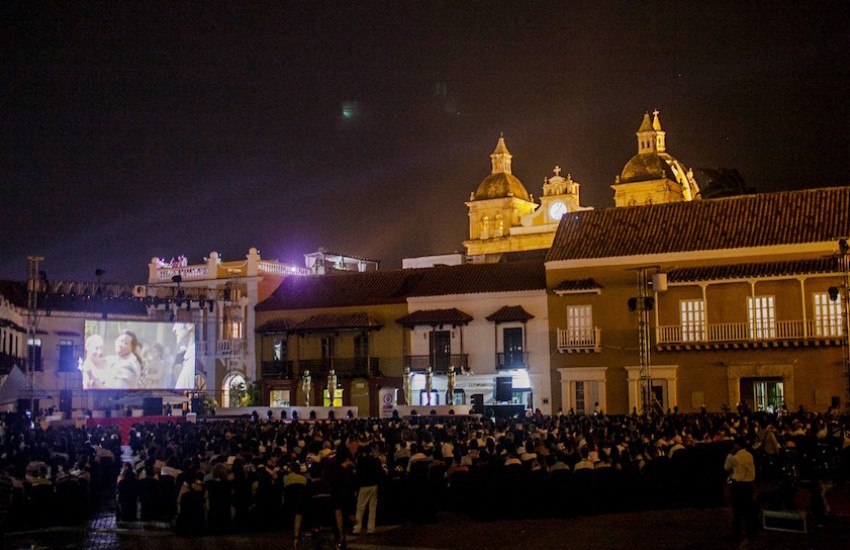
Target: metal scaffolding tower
(844, 269)
(33, 288)
(644, 306)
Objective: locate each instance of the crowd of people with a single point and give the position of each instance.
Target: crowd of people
(225, 475)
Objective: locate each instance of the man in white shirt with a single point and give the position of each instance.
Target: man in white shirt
(742, 469)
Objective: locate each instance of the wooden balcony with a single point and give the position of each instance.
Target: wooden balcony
(276, 369)
(734, 335)
(439, 363)
(367, 367)
(512, 360)
(579, 340)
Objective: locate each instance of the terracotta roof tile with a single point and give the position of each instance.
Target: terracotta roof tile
(509, 314)
(746, 271)
(792, 217)
(326, 321)
(339, 290)
(274, 325)
(435, 317)
(577, 285)
(480, 278)
(395, 286)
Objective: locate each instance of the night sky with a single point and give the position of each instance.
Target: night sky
(140, 129)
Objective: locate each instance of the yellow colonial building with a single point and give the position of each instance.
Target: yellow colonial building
(702, 303)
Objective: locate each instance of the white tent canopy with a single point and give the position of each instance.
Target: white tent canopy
(15, 386)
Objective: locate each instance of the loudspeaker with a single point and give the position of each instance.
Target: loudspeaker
(504, 388)
(836, 402)
(197, 403)
(152, 406)
(477, 400)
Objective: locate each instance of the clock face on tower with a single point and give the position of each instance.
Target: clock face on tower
(557, 209)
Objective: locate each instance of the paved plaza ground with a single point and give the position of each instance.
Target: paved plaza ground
(673, 529)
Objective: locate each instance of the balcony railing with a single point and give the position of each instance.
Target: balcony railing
(439, 363)
(187, 273)
(722, 333)
(230, 347)
(276, 369)
(278, 268)
(578, 340)
(343, 366)
(512, 360)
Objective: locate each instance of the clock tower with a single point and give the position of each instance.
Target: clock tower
(504, 218)
(559, 196)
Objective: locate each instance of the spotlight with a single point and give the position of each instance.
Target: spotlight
(648, 302)
(201, 303)
(188, 305)
(177, 279)
(833, 293)
(212, 304)
(632, 304)
(99, 272)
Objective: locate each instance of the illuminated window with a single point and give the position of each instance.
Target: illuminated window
(692, 315)
(34, 352)
(768, 395)
(580, 325)
(579, 395)
(233, 330)
(762, 317)
(827, 315)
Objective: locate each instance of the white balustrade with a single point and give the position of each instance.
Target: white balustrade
(579, 338)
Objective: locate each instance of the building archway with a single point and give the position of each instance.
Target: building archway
(232, 388)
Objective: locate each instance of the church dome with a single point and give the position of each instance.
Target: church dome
(647, 166)
(500, 185)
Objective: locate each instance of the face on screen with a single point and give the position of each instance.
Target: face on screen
(138, 355)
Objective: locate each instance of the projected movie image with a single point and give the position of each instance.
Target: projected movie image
(122, 355)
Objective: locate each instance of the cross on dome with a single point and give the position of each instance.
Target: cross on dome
(557, 170)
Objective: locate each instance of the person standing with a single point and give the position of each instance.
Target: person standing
(742, 469)
(367, 476)
(318, 523)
